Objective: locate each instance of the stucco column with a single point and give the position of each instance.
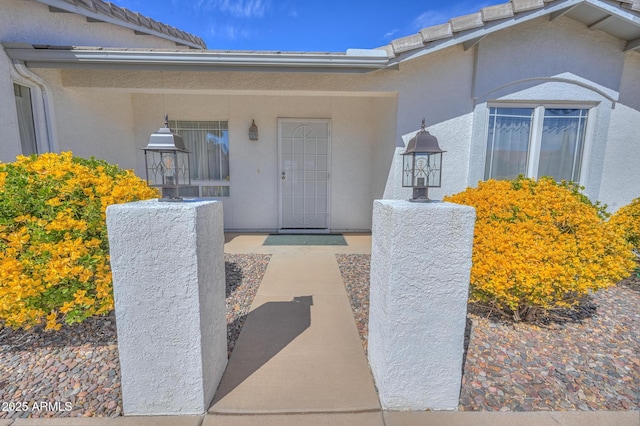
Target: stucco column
(169, 288)
(420, 266)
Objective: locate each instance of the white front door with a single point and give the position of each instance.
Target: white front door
(305, 162)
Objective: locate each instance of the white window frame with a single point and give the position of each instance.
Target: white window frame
(201, 183)
(38, 111)
(537, 125)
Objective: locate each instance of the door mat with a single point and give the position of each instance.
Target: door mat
(305, 240)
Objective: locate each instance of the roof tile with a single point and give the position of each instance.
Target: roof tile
(155, 25)
(132, 17)
(118, 12)
(87, 3)
(129, 18)
(102, 7)
(524, 5)
(389, 49)
(466, 22)
(636, 5)
(407, 43)
(144, 21)
(436, 32)
(476, 20)
(499, 11)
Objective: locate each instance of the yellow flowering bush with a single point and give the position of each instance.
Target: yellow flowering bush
(540, 245)
(54, 253)
(628, 219)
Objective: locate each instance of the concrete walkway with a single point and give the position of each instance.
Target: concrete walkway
(299, 361)
(299, 350)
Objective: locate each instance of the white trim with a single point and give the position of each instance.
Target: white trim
(536, 103)
(549, 79)
(193, 60)
(535, 135)
(41, 104)
(588, 145)
(535, 142)
(280, 121)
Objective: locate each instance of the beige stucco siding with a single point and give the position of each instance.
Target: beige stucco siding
(115, 125)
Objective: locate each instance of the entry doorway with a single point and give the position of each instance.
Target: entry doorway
(304, 160)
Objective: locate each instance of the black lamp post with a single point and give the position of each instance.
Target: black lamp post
(167, 162)
(422, 165)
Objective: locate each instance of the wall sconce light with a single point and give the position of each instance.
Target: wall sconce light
(253, 131)
(422, 165)
(167, 162)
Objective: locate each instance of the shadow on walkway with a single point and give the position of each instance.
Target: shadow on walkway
(267, 330)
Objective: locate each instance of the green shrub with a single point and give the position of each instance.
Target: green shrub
(54, 254)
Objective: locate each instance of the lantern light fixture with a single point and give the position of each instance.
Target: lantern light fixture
(422, 165)
(253, 131)
(167, 162)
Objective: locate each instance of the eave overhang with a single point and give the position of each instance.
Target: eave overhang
(596, 14)
(357, 61)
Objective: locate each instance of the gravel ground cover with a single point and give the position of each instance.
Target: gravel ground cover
(588, 360)
(354, 269)
(76, 372)
(244, 274)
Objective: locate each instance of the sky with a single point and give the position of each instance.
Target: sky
(298, 25)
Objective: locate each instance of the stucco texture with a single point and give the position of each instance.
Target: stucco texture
(420, 267)
(169, 289)
(621, 173)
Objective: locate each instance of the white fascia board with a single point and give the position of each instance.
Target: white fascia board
(100, 17)
(190, 60)
(490, 28)
(377, 53)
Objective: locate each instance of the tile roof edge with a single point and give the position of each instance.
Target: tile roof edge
(475, 21)
(126, 18)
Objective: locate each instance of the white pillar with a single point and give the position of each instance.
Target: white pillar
(169, 287)
(420, 266)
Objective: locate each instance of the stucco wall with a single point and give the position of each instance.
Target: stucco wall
(559, 61)
(113, 123)
(361, 134)
(538, 61)
(31, 22)
(543, 48)
(621, 171)
(436, 87)
(420, 263)
(91, 123)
